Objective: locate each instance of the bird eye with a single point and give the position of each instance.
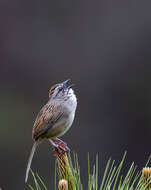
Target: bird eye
(60, 89)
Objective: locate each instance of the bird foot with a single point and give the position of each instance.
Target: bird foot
(59, 146)
(62, 144)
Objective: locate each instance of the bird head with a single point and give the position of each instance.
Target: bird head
(61, 90)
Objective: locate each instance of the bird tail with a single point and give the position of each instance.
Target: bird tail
(30, 159)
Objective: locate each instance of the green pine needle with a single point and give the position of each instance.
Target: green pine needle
(112, 178)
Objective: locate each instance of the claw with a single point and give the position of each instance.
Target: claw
(59, 146)
(63, 145)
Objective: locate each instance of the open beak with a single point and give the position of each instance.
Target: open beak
(65, 83)
(71, 85)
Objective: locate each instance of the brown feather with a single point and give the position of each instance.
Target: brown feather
(46, 118)
(51, 91)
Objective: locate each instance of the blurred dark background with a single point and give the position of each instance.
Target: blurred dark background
(104, 46)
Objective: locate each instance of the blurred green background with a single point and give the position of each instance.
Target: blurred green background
(104, 46)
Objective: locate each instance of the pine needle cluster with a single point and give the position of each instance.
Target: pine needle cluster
(69, 178)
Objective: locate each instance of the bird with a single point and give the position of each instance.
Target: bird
(55, 118)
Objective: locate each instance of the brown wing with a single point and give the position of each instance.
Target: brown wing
(46, 118)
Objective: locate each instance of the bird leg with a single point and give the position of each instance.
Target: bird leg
(59, 145)
(62, 144)
(59, 141)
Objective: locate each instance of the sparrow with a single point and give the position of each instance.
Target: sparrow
(55, 118)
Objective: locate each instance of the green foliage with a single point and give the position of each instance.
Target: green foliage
(112, 178)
